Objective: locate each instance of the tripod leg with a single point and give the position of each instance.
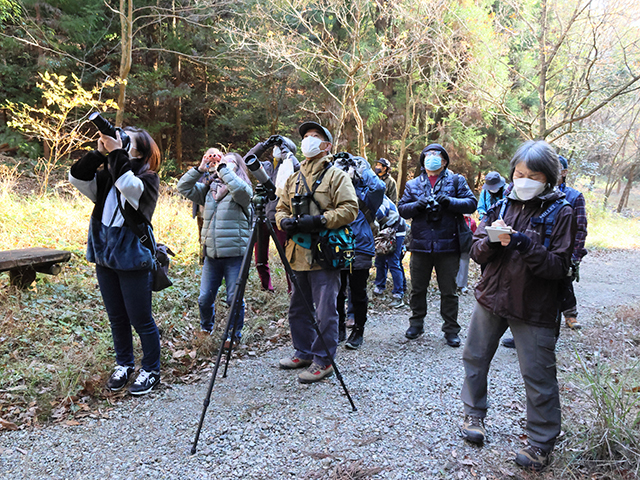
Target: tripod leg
(314, 322)
(232, 318)
(240, 287)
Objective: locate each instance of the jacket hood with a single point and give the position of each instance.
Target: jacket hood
(438, 148)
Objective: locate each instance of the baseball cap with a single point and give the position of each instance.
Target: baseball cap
(306, 126)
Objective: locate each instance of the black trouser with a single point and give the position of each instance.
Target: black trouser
(357, 281)
(446, 265)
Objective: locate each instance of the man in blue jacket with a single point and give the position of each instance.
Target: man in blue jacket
(436, 202)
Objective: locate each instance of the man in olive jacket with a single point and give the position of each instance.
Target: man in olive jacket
(334, 205)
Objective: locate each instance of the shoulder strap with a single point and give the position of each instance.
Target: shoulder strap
(548, 219)
(145, 239)
(316, 184)
(503, 203)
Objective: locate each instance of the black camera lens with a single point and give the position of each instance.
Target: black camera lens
(105, 127)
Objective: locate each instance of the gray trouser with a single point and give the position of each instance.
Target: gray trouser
(319, 288)
(535, 347)
(446, 265)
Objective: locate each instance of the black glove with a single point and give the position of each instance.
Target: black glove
(422, 203)
(443, 200)
(519, 241)
(273, 140)
(309, 223)
(289, 226)
(575, 271)
(118, 163)
(257, 150)
(284, 149)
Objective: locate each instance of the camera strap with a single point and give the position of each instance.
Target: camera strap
(316, 184)
(145, 238)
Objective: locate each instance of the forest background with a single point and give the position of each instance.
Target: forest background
(386, 78)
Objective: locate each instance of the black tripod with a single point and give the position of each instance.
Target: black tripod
(259, 201)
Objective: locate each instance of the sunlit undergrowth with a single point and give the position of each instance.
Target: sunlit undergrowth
(55, 343)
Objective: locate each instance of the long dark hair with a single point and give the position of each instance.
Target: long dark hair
(147, 147)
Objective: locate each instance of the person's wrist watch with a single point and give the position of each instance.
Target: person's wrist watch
(323, 220)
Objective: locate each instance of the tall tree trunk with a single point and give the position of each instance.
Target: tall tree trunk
(409, 117)
(126, 42)
(206, 106)
(624, 199)
(543, 67)
(178, 133)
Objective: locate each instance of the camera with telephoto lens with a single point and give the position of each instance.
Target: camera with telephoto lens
(433, 210)
(300, 205)
(105, 127)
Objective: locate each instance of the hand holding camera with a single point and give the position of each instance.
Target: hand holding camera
(443, 200)
(209, 161)
(109, 143)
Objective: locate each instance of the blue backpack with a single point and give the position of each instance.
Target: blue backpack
(547, 218)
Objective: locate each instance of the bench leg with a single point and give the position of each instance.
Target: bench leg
(22, 277)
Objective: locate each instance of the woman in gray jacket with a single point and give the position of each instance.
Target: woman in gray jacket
(226, 196)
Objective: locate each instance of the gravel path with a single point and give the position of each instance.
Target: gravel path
(262, 424)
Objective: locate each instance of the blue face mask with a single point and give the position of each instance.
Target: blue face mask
(432, 162)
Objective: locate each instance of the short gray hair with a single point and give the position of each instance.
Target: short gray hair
(538, 156)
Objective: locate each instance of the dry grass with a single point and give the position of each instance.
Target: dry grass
(55, 342)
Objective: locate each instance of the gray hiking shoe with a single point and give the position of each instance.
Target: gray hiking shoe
(473, 429)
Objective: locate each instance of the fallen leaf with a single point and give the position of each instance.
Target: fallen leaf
(7, 425)
(72, 423)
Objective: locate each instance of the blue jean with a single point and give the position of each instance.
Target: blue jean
(391, 262)
(319, 288)
(213, 271)
(127, 299)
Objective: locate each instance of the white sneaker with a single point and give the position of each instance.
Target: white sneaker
(378, 291)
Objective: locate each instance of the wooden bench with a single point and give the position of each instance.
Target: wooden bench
(23, 263)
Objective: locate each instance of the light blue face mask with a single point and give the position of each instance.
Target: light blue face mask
(432, 162)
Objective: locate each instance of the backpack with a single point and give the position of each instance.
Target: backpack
(547, 218)
(332, 248)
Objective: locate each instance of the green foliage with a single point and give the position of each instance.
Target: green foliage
(9, 11)
(610, 433)
(25, 147)
(60, 120)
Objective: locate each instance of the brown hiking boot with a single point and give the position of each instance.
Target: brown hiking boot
(473, 429)
(293, 362)
(315, 373)
(572, 323)
(532, 457)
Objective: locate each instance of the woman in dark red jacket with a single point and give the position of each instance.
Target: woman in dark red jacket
(519, 289)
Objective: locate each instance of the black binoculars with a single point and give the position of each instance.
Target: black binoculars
(300, 205)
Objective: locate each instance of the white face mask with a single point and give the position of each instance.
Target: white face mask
(526, 188)
(277, 153)
(311, 147)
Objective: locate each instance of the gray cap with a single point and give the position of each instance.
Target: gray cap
(306, 126)
(493, 181)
